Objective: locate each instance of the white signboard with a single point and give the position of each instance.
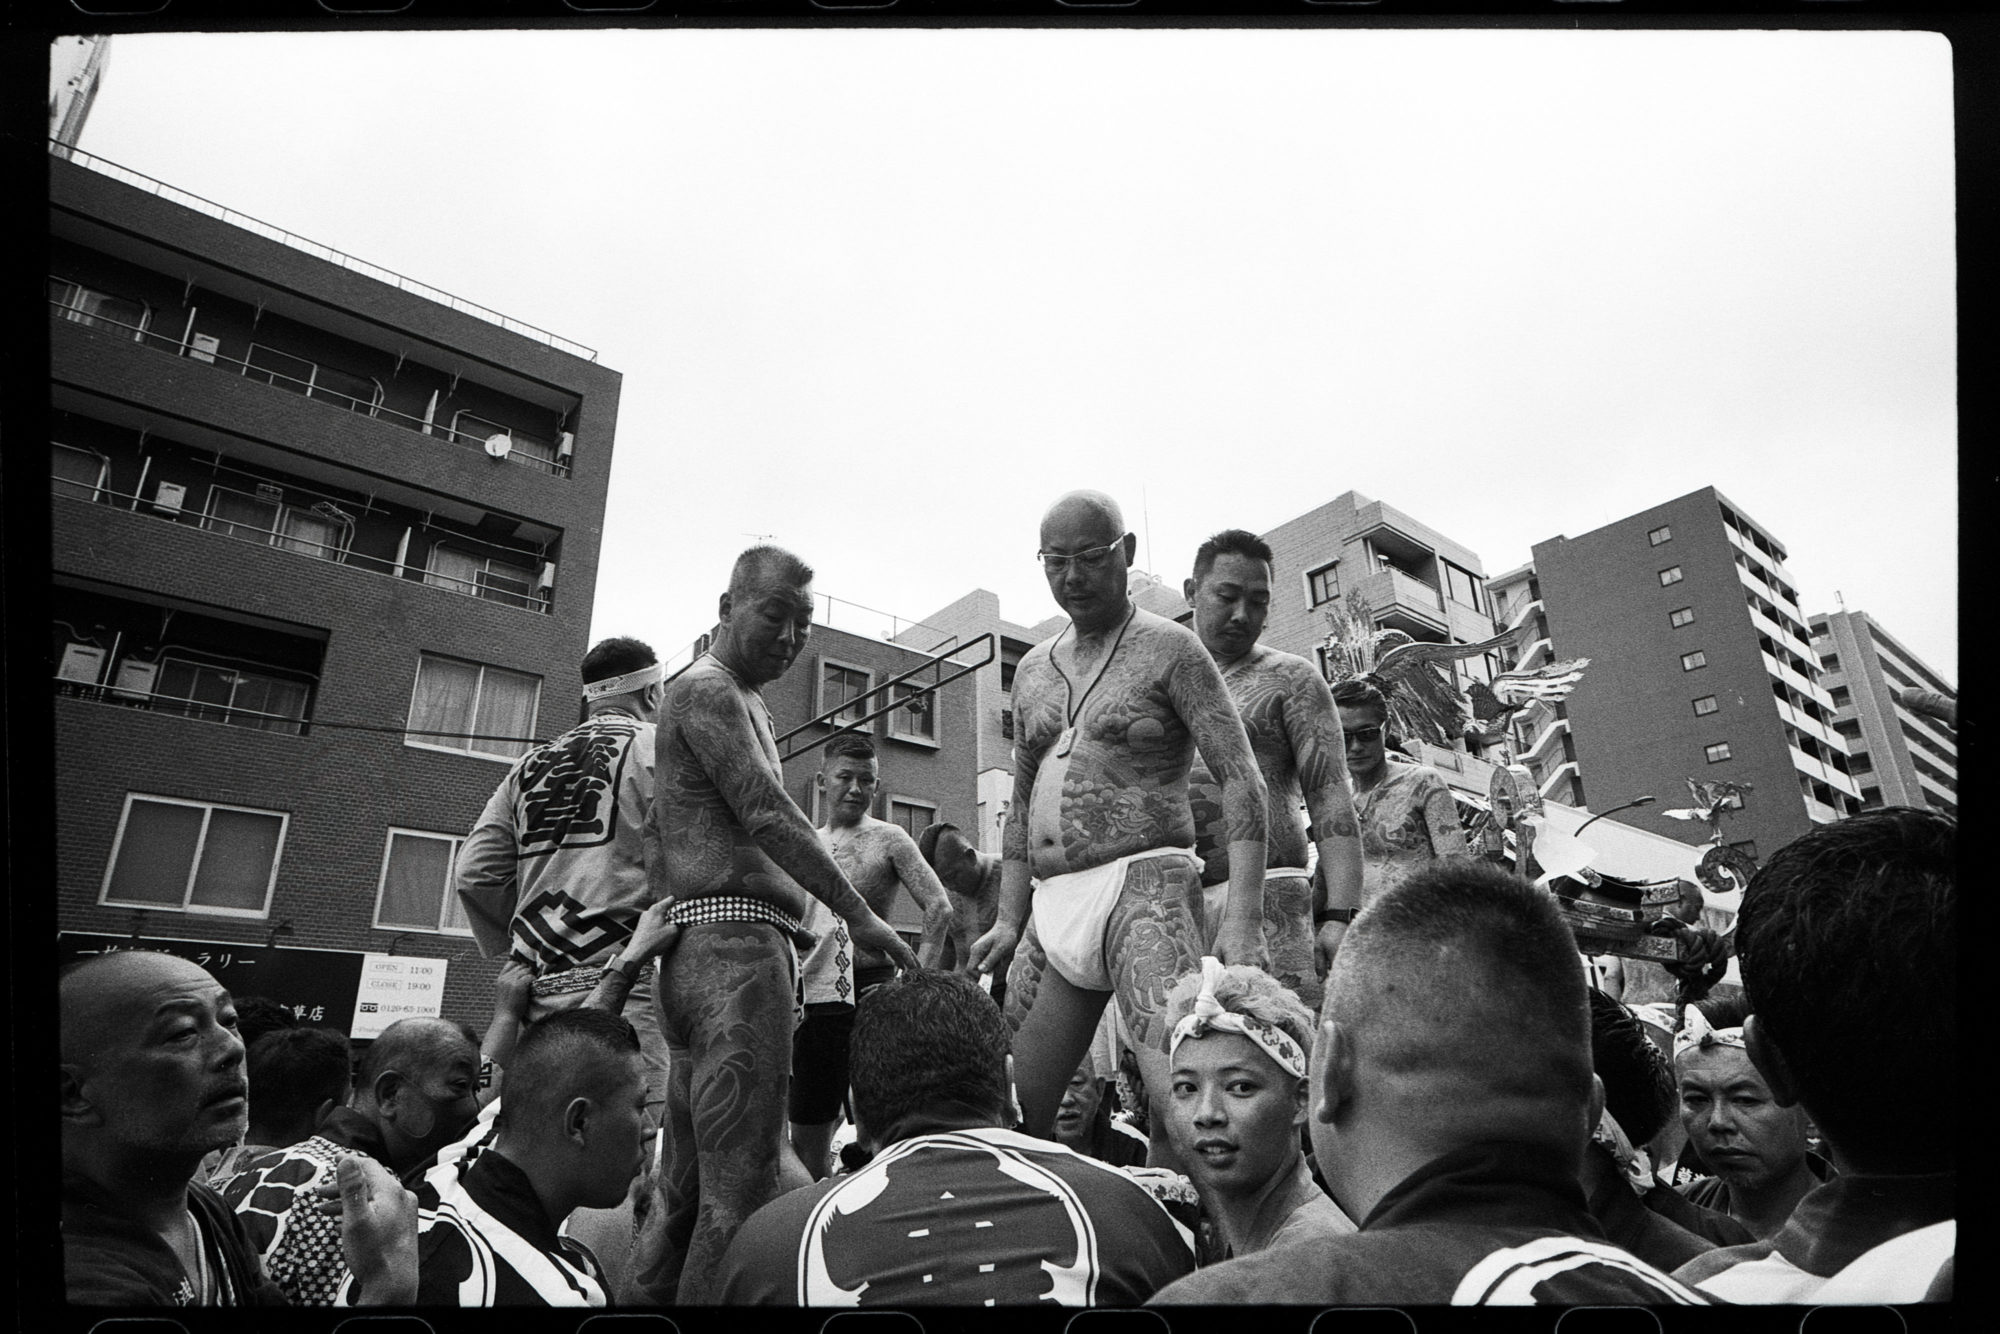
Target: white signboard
(396, 986)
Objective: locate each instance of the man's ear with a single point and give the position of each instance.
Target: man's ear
(1331, 1072)
(1013, 1096)
(576, 1119)
(414, 1116)
(722, 609)
(77, 1108)
(1131, 544)
(1770, 1063)
(1187, 590)
(1302, 1098)
(1596, 1101)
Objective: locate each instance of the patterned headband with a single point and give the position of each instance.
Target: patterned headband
(1208, 1016)
(1696, 1033)
(619, 685)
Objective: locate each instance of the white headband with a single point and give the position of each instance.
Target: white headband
(1695, 1032)
(1209, 1016)
(619, 685)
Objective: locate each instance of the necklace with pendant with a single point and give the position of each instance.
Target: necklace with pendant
(1072, 706)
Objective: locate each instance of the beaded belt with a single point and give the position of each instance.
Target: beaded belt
(730, 908)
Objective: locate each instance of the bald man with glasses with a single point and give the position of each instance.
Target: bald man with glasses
(1099, 877)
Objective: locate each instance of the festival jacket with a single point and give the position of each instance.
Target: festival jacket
(1494, 1223)
(1855, 1239)
(111, 1260)
(554, 872)
(272, 1195)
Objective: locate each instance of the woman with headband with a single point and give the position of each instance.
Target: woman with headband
(1236, 1101)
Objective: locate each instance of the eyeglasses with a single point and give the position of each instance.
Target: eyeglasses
(1056, 562)
(1366, 735)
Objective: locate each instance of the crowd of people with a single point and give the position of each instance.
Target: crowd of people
(1234, 1016)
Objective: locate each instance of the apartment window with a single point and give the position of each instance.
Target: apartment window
(356, 393)
(1841, 696)
(1323, 584)
(1691, 661)
(321, 532)
(194, 856)
(1670, 575)
(485, 577)
(415, 889)
(100, 310)
(471, 430)
(1860, 762)
(1681, 616)
(78, 472)
(227, 692)
(472, 708)
(1007, 724)
(1705, 706)
(843, 687)
(916, 717)
(911, 814)
(1716, 753)
(1462, 586)
(1871, 796)
(1661, 534)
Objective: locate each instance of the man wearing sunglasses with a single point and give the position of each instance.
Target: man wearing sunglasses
(1099, 840)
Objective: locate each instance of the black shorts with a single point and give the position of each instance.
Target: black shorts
(819, 1064)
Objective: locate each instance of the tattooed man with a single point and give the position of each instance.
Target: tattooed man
(1295, 732)
(740, 859)
(880, 860)
(971, 881)
(1110, 714)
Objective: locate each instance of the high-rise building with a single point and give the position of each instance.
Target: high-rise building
(76, 69)
(324, 547)
(1899, 756)
(1701, 667)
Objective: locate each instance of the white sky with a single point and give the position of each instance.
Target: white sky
(885, 294)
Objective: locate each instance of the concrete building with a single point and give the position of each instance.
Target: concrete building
(1406, 575)
(324, 547)
(1701, 666)
(1541, 737)
(76, 70)
(1898, 757)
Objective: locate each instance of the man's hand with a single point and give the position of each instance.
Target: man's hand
(653, 936)
(1236, 944)
(513, 989)
(992, 952)
(1326, 944)
(378, 1231)
(874, 933)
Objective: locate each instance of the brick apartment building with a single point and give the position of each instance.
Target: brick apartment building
(1701, 666)
(324, 548)
(1898, 757)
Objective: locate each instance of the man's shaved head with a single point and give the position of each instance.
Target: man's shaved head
(1087, 511)
(412, 1047)
(95, 995)
(1461, 992)
(762, 567)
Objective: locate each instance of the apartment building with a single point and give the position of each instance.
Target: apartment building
(1898, 756)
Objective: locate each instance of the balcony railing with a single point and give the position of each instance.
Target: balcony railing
(141, 181)
(185, 706)
(336, 553)
(529, 452)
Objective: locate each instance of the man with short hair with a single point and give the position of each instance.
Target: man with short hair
(1754, 1146)
(416, 1094)
(1452, 1099)
(739, 860)
(570, 1133)
(955, 1207)
(1294, 730)
(1849, 949)
(553, 874)
(1110, 715)
(971, 881)
(152, 1079)
(301, 1075)
(879, 858)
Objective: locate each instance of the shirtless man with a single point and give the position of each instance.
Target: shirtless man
(1110, 715)
(1295, 731)
(740, 859)
(879, 859)
(971, 881)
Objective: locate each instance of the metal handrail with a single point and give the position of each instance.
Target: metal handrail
(270, 231)
(132, 698)
(827, 719)
(250, 370)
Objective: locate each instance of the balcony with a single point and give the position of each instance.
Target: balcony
(1824, 773)
(1401, 601)
(331, 388)
(1809, 725)
(1781, 633)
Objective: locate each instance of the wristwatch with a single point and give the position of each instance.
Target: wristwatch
(1325, 915)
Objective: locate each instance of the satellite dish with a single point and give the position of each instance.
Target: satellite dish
(499, 444)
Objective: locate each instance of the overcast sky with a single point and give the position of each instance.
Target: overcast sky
(882, 295)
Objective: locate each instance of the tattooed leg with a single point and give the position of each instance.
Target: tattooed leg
(1024, 977)
(660, 1247)
(1288, 936)
(1053, 1021)
(1152, 939)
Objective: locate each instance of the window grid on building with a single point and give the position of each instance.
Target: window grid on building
(1681, 616)
(1716, 753)
(843, 687)
(176, 855)
(1670, 575)
(1694, 660)
(472, 708)
(414, 892)
(915, 717)
(911, 814)
(1663, 533)
(1705, 706)
(1323, 584)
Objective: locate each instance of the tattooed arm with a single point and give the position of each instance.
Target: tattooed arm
(484, 875)
(1447, 835)
(923, 886)
(1203, 703)
(719, 730)
(1318, 748)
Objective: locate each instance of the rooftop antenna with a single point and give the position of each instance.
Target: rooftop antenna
(1839, 599)
(761, 537)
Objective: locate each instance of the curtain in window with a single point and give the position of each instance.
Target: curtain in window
(155, 854)
(268, 695)
(475, 430)
(455, 570)
(310, 534)
(98, 310)
(237, 859)
(506, 708)
(922, 723)
(234, 514)
(443, 701)
(415, 882)
(510, 584)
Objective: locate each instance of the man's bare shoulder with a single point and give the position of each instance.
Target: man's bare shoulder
(1168, 636)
